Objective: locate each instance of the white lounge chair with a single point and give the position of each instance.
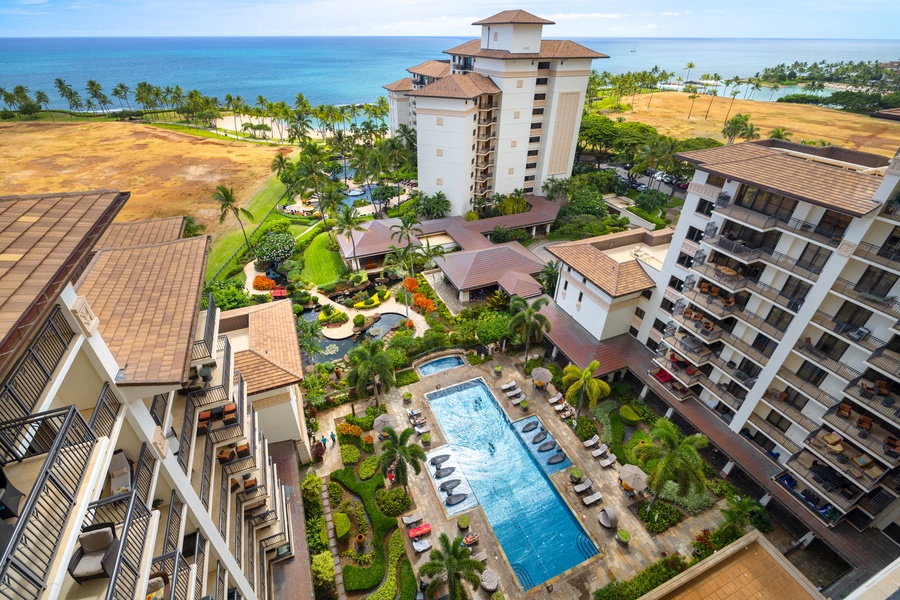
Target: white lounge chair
(608, 462)
(482, 556)
(583, 486)
(515, 392)
(515, 401)
(555, 398)
(600, 451)
(412, 519)
(588, 500)
(561, 407)
(591, 442)
(421, 546)
(413, 412)
(509, 385)
(422, 429)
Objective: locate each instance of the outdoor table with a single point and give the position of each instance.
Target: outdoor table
(726, 270)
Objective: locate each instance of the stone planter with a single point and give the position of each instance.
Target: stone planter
(498, 371)
(524, 405)
(407, 398)
(623, 537)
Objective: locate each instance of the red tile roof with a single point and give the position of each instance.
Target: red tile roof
(515, 283)
(474, 269)
(140, 233)
(569, 336)
(613, 277)
(461, 86)
(432, 68)
(401, 85)
(375, 238)
(514, 17)
(549, 49)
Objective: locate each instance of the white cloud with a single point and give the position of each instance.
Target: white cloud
(669, 14)
(580, 16)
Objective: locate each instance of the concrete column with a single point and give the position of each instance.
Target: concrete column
(554, 352)
(644, 391)
(670, 412)
(533, 230)
(727, 468)
(765, 499)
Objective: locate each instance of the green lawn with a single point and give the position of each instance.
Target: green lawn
(322, 265)
(226, 245)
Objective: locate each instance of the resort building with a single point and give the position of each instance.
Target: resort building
(769, 320)
(133, 461)
(501, 114)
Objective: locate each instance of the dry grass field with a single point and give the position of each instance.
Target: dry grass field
(167, 173)
(669, 110)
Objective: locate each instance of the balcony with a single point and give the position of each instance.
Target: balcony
(775, 434)
(758, 356)
(824, 235)
(248, 456)
(178, 571)
(875, 502)
(885, 405)
(844, 461)
(885, 360)
(885, 257)
(106, 413)
(872, 439)
(269, 511)
(720, 390)
(891, 211)
(255, 489)
(775, 399)
(730, 279)
(855, 335)
(842, 495)
(711, 304)
(484, 149)
(683, 371)
(694, 320)
(692, 347)
(484, 176)
(485, 136)
(487, 121)
(839, 368)
(809, 390)
(730, 369)
(49, 453)
(205, 347)
(279, 535)
(886, 305)
(663, 381)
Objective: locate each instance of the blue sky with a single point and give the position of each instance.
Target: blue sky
(855, 19)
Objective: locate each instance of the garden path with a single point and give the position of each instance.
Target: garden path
(391, 305)
(332, 543)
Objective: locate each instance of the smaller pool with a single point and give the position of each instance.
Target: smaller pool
(441, 364)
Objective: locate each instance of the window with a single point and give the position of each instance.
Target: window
(767, 203)
(532, 153)
(473, 161)
(540, 96)
(544, 65)
(531, 165)
(694, 234)
(440, 151)
(796, 290)
(716, 180)
(529, 178)
(519, 83)
(652, 344)
(537, 111)
(537, 125)
(440, 121)
(648, 294)
(474, 117)
(764, 344)
(639, 312)
(779, 421)
(676, 284)
(541, 81)
(632, 332)
(811, 373)
(778, 318)
(834, 223)
(565, 284)
(439, 181)
(496, 35)
(534, 139)
(659, 325)
(813, 258)
(473, 132)
(704, 207)
(515, 114)
(763, 442)
(511, 170)
(877, 282)
(685, 260)
(667, 305)
(852, 315)
(832, 346)
(513, 144)
(529, 190)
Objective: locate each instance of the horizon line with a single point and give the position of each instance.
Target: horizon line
(613, 37)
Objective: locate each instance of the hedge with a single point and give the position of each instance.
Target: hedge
(404, 378)
(393, 502)
(586, 428)
(629, 417)
(323, 568)
(408, 584)
(359, 578)
(720, 487)
(649, 579)
(660, 518)
(368, 467)
(349, 454)
(341, 526)
(695, 501)
(657, 222)
(335, 493)
(396, 551)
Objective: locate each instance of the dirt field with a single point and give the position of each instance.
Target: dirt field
(668, 113)
(167, 173)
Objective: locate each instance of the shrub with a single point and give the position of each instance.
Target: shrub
(618, 434)
(341, 526)
(368, 444)
(368, 468)
(463, 521)
(660, 518)
(624, 535)
(602, 411)
(629, 417)
(393, 502)
(423, 303)
(310, 489)
(524, 404)
(349, 429)
(586, 428)
(759, 518)
(359, 320)
(316, 535)
(408, 584)
(263, 284)
(349, 454)
(335, 493)
(638, 438)
(721, 488)
(403, 378)
(657, 222)
(722, 537)
(498, 596)
(426, 437)
(275, 247)
(576, 473)
(471, 216)
(327, 288)
(323, 568)
(692, 503)
(410, 284)
(396, 550)
(649, 579)
(644, 412)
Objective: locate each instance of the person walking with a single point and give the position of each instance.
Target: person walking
(333, 439)
(325, 442)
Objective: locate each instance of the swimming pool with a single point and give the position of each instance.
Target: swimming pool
(540, 536)
(441, 364)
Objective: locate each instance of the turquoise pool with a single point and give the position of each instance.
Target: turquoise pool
(539, 534)
(441, 364)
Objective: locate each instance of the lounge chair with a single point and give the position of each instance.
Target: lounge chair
(470, 540)
(569, 412)
(96, 554)
(415, 422)
(555, 398)
(481, 556)
(583, 486)
(600, 451)
(412, 519)
(588, 500)
(413, 412)
(421, 546)
(509, 385)
(515, 392)
(609, 461)
(591, 442)
(515, 401)
(561, 407)
(422, 429)
(420, 530)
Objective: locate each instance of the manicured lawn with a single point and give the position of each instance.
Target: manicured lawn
(322, 265)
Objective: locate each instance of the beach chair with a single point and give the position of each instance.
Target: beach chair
(583, 486)
(561, 407)
(480, 556)
(595, 497)
(515, 392)
(600, 451)
(420, 530)
(555, 398)
(421, 546)
(609, 461)
(422, 430)
(515, 401)
(508, 385)
(591, 442)
(413, 412)
(412, 519)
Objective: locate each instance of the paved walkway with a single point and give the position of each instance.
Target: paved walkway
(292, 578)
(391, 305)
(540, 250)
(332, 543)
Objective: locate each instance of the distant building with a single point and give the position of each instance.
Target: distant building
(501, 114)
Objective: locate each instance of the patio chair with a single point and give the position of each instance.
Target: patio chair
(595, 497)
(609, 461)
(555, 398)
(119, 473)
(515, 401)
(421, 546)
(412, 519)
(509, 385)
(865, 423)
(422, 430)
(608, 517)
(882, 388)
(591, 442)
(561, 407)
(600, 451)
(413, 412)
(158, 585)
(10, 498)
(714, 292)
(845, 410)
(704, 288)
(514, 392)
(729, 303)
(96, 555)
(583, 486)
(490, 581)
(687, 313)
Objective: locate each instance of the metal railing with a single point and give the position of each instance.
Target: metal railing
(883, 256)
(173, 524)
(860, 436)
(890, 363)
(106, 412)
(200, 564)
(829, 492)
(204, 348)
(775, 433)
(837, 460)
(790, 411)
(236, 429)
(884, 304)
(839, 368)
(206, 472)
(66, 442)
(759, 356)
(179, 571)
(129, 511)
(146, 467)
(223, 507)
(221, 583)
(811, 391)
(251, 550)
(238, 528)
(830, 236)
(873, 401)
(206, 397)
(777, 296)
(868, 341)
(158, 408)
(245, 463)
(186, 441)
(22, 389)
(891, 210)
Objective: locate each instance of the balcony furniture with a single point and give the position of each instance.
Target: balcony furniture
(230, 409)
(250, 483)
(692, 343)
(688, 313)
(882, 388)
(225, 456)
(865, 423)
(243, 451)
(698, 317)
(892, 444)
(834, 442)
(235, 485)
(875, 471)
(10, 499)
(206, 375)
(158, 587)
(714, 292)
(202, 428)
(862, 460)
(691, 371)
(859, 334)
(783, 396)
(206, 415)
(119, 473)
(727, 271)
(230, 419)
(845, 410)
(704, 288)
(95, 557)
(729, 303)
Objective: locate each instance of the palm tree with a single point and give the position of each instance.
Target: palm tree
(451, 565)
(280, 164)
(580, 383)
(396, 452)
(693, 96)
(737, 513)
(678, 459)
(43, 100)
(331, 200)
(548, 277)
(688, 68)
(228, 205)
(780, 133)
(734, 94)
(407, 228)
(397, 256)
(735, 127)
(430, 253)
(775, 88)
(750, 132)
(526, 322)
(369, 366)
(554, 188)
(120, 92)
(712, 96)
(348, 221)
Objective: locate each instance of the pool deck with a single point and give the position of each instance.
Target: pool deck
(613, 561)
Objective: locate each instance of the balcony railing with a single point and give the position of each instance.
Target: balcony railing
(129, 512)
(206, 472)
(203, 348)
(861, 437)
(886, 360)
(837, 460)
(158, 408)
(679, 372)
(887, 305)
(721, 391)
(847, 331)
(811, 391)
(826, 235)
(282, 537)
(768, 255)
(243, 463)
(883, 256)
(177, 568)
(106, 413)
(238, 529)
(775, 434)
(261, 489)
(200, 547)
(673, 386)
(761, 357)
(22, 389)
(891, 211)
(65, 443)
(145, 468)
(789, 410)
(819, 357)
(825, 489)
(487, 121)
(886, 406)
(173, 524)
(221, 582)
(484, 136)
(223, 506)
(186, 440)
(730, 368)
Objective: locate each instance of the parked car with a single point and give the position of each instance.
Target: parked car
(683, 185)
(641, 187)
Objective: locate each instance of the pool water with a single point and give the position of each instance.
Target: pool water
(539, 535)
(441, 364)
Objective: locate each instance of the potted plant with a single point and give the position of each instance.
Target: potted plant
(463, 522)
(407, 397)
(426, 439)
(623, 537)
(575, 474)
(524, 405)
(498, 370)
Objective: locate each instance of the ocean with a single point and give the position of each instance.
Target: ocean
(341, 70)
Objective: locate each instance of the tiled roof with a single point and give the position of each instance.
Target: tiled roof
(462, 86)
(613, 277)
(569, 336)
(401, 85)
(432, 68)
(515, 283)
(787, 169)
(141, 233)
(375, 238)
(147, 299)
(542, 211)
(549, 49)
(513, 16)
(474, 269)
(43, 239)
(272, 359)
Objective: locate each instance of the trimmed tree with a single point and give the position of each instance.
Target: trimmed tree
(580, 383)
(452, 565)
(678, 459)
(396, 449)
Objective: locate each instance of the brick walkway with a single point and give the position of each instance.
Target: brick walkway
(292, 578)
(332, 543)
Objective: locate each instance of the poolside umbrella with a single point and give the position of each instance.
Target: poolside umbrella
(542, 375)
(382, 421)
(632, 478)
